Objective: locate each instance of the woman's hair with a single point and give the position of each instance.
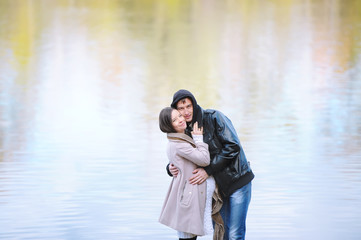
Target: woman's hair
(165, 120)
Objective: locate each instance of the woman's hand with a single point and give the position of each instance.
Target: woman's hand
(196, 130)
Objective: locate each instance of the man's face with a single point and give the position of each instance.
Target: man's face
(185, 107)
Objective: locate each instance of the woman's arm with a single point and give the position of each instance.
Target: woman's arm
(198, 155)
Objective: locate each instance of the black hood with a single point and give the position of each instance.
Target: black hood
(197, 110)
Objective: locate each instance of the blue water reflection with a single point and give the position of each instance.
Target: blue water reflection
(82, 83)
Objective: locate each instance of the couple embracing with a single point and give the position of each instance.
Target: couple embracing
(211, 185)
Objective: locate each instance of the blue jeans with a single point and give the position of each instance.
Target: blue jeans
(234, 213)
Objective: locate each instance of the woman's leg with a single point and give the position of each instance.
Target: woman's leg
(208, 225)
(184, 235)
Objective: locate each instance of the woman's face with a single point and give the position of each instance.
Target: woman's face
(178, 122)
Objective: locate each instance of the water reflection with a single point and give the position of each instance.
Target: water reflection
(81, 85)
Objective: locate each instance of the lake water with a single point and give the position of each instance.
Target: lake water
(82, 84)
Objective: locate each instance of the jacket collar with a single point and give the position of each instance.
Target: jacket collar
(182, 137)
(197, 117)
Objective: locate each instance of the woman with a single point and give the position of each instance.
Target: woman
(187, 208)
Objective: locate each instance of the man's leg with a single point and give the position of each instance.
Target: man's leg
(238, 207)
(225, 216)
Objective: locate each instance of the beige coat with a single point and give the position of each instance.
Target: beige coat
(183, 208)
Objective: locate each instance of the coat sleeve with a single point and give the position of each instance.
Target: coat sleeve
(231, 147)
(198, 155)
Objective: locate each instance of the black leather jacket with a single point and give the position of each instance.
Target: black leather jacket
(229, 165)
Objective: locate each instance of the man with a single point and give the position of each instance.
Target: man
(228, 166)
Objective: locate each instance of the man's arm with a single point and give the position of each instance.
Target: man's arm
(172, 170)
(228, 139)
(199, 176)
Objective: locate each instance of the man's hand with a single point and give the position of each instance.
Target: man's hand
(173, 170)
(200, 175)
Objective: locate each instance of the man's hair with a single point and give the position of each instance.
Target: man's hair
(181, 94)
(183, 100)
(165, 120)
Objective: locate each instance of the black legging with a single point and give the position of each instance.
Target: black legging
(193, 238)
